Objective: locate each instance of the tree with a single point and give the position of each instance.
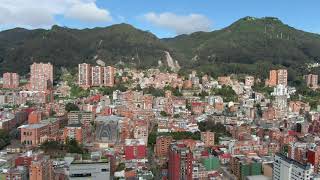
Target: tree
(71, 107)
(307, 95)
(152, 137)
(176, 116)
(138, 88)
(163, 113)
(226, 92)
(153, 91)
(218, 128)
(260, 87)
(182, 135)
(203, 94)
(73, 146)
(4, 138)
(78, 92)
(121, 167)
(175, 91)
(259, 111)
(106, 90)
(29, 103)
(188, 106)
(121, 87)
(285, 149)
(52, 147)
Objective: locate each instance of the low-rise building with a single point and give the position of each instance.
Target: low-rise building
(249, 81)
(90, 169)
(135, 149)
(18, 173)
(31, 134)
(74, 131)
(207, 138)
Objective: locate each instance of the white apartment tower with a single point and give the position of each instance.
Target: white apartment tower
(285, 168)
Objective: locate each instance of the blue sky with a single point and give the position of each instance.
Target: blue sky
(165, 18)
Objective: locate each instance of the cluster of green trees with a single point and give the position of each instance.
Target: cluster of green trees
(160, 92)
(260, 87)
(53, 148)
(175, 135)
(4, 138)
(121, 167)
(154, 91)
(307, 95)
(163, 113)
(249, 47)
(226, 92)
(72, 146)
(71, 107)
(78, 92)
(152, 138)
(109, 90)
(66, 47)
(218, 128)
(9, 106)
(182, 135)
(58, 149)
(246, 46)
(175, 91)
(202, 94)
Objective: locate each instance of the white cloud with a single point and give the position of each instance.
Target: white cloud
(42, 13)
(88, 12)
(181, 24)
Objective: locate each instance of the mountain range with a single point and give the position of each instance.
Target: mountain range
(249, 45)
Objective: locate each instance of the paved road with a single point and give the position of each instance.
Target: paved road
(227, 175)
(153, 164)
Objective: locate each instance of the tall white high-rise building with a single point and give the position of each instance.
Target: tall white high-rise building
(285, 168)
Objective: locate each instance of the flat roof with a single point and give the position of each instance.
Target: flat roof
(109, 118)
(258, 177)
(33, 126)
(90, 161)
(292, 161)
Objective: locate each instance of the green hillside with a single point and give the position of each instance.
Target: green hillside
(67, 47)
(249, 45)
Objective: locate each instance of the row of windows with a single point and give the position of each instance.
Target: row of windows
(27, 133)
(27, 142)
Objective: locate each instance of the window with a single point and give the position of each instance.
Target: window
(104, 170)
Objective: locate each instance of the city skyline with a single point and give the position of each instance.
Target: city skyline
(80, 101)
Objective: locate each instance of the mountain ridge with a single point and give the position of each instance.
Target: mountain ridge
(245, 42)
(268, 26)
